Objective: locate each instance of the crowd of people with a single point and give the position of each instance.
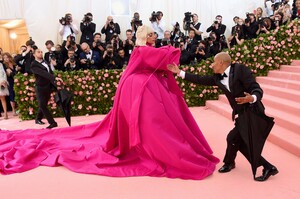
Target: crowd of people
(106, 50)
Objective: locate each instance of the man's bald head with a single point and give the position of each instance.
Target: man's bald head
(225, 57)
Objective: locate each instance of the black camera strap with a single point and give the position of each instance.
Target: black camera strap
(71, 30)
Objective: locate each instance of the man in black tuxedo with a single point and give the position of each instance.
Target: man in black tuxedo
(87, 28)
(44, 83)
(241, 90)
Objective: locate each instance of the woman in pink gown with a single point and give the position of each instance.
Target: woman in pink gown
(149, 131)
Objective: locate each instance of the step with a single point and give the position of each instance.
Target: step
(289, 106)
(295, 63)
(289, 68)
(284, 75)
(289, 94)
(285, 139)
(220, 107)
(283, 119)
(283, 83)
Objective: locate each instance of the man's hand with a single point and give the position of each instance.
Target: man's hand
(243, 100)
(173, 68)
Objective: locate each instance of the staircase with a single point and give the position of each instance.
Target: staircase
(282, 101)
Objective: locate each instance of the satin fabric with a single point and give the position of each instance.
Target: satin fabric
(148, 132)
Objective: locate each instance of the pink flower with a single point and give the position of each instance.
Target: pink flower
(80, 93)
(261, 38)
(16, 80)
(80, 106)
(105, 75)
(238, 54)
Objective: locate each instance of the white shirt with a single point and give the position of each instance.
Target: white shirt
(65, 31)
(159, 28)
(46, 65)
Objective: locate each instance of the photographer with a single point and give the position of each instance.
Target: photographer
(26, 57)
(109, 58)
(98, 45)
(202, 51)
(166, 41)
(296, 9)
(116, 42)
(237, 36)
(87, 28)
(110, 28)
(264, 26)
(158, 26)
(129, 43)
(197, 27)
(72, 63)
(50, 47)
(70, 43)
(176, 32)
(217, 27)
(135, 23)
(67, 27)
(277, 20)
(121, 59)
(251, 26)
(89, 59)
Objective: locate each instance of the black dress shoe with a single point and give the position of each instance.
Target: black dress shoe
(267, 173)
(39, 122)
(226, 168)
(52, 125)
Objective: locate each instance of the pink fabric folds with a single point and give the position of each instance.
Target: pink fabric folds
(149, 131)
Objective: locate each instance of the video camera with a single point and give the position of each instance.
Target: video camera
(31, 43)
(87, 18)
(66, 20)
(154, 16)
(187, 20)
(137, 22)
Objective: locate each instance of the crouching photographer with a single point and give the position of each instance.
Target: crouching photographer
(87, 28)
(72, 62)
(98, 45)
(109, 58)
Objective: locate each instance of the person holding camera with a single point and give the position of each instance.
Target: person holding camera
(72, 62)
(98, 45)
(251, 26)
(70, 43)
(110, 28)
(89, 59)
(237, 35)
(50, 47)
(121, 60)
(87, 28)
(26, 57)
(116, 42)
(158, 26)
(11, 71)
(217, 27)
(129, 43)
(176, 33)
(67, 27)
(3, 89)
(197, 27)
(109, 57)
(135, 23)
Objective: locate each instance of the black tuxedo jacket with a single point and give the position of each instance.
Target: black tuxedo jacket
(87, 32)
(43, 78)
(240, 80)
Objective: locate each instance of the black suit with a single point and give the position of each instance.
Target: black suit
(44, 83)
(240, 81)
(87, 32)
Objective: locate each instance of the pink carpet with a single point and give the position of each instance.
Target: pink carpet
(60, 183)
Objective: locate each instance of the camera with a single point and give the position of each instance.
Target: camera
(72, 59)
(53, 56)
(154, 16)
(2, 87)
(216, 22)
(87, 18)
(66, 20)
(165, 42)
(187, 20)
(89, 63)
(110, 53)
(100, 43)
(136, 21)
(31, 43)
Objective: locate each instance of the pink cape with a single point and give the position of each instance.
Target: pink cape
(149, 131)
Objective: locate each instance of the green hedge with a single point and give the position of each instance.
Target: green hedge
(94, 89)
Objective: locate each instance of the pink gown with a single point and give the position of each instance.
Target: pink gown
(148, 132)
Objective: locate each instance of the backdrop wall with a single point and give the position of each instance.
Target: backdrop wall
(41, 16)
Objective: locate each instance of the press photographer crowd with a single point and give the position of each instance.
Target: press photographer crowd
(106, 50)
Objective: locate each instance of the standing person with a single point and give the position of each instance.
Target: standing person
(87, 28)
(110, 28)
(241, 90)
(149, 131)
(217, 27)
(158, 26)
(197, 27)
(44, 83)
(3, 89)
(67, 27)
(11, 71)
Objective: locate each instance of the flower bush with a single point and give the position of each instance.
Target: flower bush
(94, 89)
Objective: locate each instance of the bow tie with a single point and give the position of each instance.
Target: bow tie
(222, 76)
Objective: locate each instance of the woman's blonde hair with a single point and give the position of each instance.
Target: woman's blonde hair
(142, 34)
